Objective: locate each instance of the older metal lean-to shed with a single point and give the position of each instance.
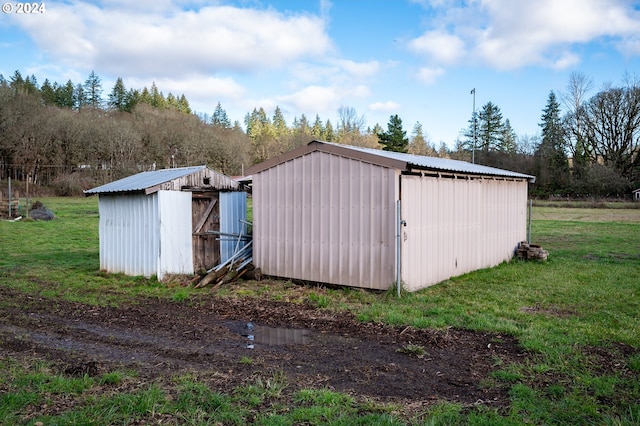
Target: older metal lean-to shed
(329, 213)
(160, 222)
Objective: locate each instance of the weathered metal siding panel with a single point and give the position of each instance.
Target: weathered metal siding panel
(175, 250)
(326, 218)
(455, 226)
(233, 214)
(129, 234)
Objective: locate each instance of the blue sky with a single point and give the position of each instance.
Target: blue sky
(419, 59)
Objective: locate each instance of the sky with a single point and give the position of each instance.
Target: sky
(419, 59)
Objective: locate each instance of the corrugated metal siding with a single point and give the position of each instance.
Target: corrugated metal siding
(146, 234)
(456, 226)
(175, 251)
(233, 211)
(326, 218)
(129, 234)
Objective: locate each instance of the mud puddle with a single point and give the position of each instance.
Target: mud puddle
(257, 335)
(312, 348)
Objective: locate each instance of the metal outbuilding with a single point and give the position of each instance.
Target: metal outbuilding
(363, 217)
(169, 221)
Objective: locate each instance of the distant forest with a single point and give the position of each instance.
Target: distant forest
(72, 136)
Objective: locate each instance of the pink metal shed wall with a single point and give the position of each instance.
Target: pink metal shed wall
(326, 218)
(458, 225)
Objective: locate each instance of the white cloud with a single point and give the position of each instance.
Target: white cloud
(385, 107)
(523, 33)
(334, 71)
(313, 98)
(507, 34)
(169, 40)
(630, 46)
(201, 88)
(565, 60)
(439, 46)
(429, 75)
(359, 69)
(356, 92)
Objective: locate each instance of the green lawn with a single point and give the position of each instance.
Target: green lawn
(568, 311)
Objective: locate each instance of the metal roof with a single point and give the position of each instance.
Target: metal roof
(144, 180)
(437, 163)
(392, 159)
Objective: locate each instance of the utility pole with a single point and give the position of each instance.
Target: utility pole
(473, 117)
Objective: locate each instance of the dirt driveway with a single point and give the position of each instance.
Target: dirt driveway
(314, 348)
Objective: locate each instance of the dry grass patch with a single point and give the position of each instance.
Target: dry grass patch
(586, 215)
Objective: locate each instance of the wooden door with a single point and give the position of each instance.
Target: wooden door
(206, 217)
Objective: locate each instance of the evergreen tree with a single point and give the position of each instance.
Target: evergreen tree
(65, 95)
(79, 97)
(509, 138)
(261, 132)
(145, 96)
(418, 144)
(377, 129)
(220, 117)
(48, 93)
(552, 167)
(93, 91)
(469, 142)
(490, 128)
(302, 125)
(183, 104)
(16, 82)
(394, 139)
(329, 134)
(31, 84)
(133, 97)
(157, 98)
(118, 96)
(317, 130)
(248, 122)
(172, 101)
(279, 123)
(257, 123)
(261, 117)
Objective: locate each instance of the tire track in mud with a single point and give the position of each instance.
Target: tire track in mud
(211, 335)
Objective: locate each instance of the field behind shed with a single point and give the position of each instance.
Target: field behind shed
(574, 317)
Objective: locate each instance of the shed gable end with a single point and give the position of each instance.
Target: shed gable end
(326, 218)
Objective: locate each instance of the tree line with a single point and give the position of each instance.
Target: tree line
(71, 136)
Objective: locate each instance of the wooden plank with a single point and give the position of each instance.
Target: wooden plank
(204, 217)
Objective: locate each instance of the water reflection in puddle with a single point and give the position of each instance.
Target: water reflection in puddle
(259, 334)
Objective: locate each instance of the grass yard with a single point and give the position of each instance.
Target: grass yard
(577, 314)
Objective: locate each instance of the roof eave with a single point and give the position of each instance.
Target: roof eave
(416, 167)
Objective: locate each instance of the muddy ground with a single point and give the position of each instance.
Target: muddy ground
(215, 337)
